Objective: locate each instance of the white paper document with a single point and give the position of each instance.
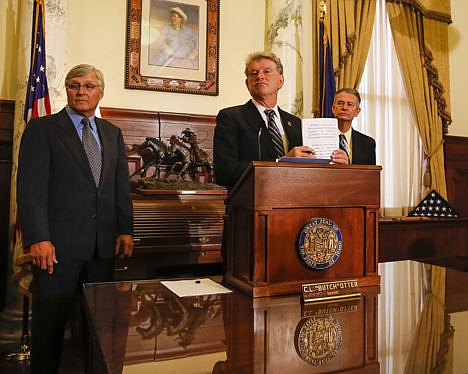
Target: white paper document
(195, 287)
(321, 134)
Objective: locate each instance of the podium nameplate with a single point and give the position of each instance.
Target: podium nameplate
(330, 290)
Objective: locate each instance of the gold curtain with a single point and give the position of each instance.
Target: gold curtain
(421, 44)
(420, 34)
(349, 24)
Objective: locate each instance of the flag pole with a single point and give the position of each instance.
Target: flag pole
(25, 352)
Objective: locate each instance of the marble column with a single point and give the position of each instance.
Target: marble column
(285, 36)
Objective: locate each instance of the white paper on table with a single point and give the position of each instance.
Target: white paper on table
(195, 287)
(321, 134)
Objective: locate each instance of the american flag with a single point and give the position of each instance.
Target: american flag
(434, 205)
(37, 102)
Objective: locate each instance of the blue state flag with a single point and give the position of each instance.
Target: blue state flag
(327, 75)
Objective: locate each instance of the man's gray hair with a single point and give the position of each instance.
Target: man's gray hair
(83, 69)
(258, 56)
(351, 91)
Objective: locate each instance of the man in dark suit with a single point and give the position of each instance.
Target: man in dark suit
(360, 147)
(74, 217)
(242, 133)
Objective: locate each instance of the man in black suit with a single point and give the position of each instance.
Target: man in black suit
(242, 132)
(360, 147)
(73, 222)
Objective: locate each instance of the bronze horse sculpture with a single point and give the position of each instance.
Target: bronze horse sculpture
(179, 160)
(199, 158)
(153, 153)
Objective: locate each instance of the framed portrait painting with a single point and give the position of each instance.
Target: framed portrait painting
(173, 46)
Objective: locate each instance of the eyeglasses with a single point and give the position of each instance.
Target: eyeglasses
(76, 86)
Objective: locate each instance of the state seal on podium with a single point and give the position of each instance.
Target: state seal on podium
(320, 243)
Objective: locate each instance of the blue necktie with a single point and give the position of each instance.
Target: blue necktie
(344, 144)
(91, 148)
(274, 132)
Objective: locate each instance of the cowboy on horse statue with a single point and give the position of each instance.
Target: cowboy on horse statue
(181, 159)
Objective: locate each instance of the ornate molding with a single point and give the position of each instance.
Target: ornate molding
(419, 7)
(433, 77)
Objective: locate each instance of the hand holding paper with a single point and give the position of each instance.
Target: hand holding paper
(321, 134)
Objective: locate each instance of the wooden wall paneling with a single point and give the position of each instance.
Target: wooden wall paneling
(7, 113)
(135, 124)
(138, 124)
(456, 172)
(202, 125)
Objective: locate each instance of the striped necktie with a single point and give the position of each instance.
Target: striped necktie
(274, 132)
(91, 148)
(344, 144)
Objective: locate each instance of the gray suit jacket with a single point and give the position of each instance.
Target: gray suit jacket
(57, 197)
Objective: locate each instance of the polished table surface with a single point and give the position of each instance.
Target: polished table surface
(142, 327)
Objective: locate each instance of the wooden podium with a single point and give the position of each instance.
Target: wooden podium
(270, 205)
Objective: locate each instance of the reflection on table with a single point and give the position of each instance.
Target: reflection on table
(141, 327)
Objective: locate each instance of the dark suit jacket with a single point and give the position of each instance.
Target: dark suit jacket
(241, 136)
(57, 197)
(363, 148)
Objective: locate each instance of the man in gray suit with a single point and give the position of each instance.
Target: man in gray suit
(74, 222)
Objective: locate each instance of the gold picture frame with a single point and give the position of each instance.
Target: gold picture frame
(163, 55)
